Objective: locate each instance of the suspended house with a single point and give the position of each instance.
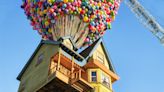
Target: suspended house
(56, 66)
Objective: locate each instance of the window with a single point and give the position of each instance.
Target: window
(40, 59)
(93, 76)
(105, 80)
(100, 57)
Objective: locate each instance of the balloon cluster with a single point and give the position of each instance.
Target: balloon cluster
(97, 13)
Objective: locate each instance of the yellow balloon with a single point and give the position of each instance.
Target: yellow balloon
(113, 17)
(49, 1)
(46, 23)
(71, 0)
(85, 19)
(50, 30)
(65, 1)
(99, 4)
(79, 9)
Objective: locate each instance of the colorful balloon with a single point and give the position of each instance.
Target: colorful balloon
(97, 14)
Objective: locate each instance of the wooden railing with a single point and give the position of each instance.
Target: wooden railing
(73, 74)
(76, 75)
(62, 69)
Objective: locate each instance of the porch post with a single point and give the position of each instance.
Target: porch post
(79, 73)
(72, 67)
(58, 65)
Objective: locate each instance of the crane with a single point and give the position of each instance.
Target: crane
(146, 19)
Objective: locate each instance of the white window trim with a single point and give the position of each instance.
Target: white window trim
(107, 81)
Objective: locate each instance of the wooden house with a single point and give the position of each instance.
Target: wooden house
(56, 66)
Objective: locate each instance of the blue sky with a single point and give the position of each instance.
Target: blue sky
(137, 55)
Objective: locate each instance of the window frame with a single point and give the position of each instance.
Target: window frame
(95, 76)
(107, 82)
(40, 59)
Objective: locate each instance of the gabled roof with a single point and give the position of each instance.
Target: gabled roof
(68, 37)
(88, 52)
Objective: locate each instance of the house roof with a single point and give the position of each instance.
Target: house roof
(68, 37)
(86, 53)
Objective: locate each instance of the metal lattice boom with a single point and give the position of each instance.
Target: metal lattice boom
(146, 19)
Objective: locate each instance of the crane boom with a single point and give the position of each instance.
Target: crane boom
(146, 19)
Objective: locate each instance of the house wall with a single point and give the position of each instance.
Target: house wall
(35, 75)
(99, 87)
(100, 50)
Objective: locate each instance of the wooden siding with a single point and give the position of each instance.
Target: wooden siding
(99, 87)
(100, 50)
(36, 75)
(95, 64)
